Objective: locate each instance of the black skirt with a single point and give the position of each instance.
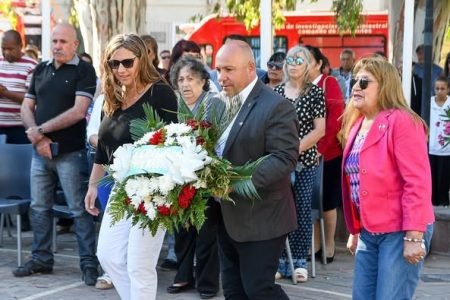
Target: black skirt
(332, 190)
(440, 176)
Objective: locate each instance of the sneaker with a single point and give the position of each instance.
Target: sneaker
(30, 268)
(168, 265)
(104, 282)
(90, 275)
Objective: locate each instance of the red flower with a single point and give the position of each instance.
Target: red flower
(186, 195)
(205, 124)
(157, 138)
(127, 201)
(142, 209)
(164, 210)
(193, 123)
(200, 140)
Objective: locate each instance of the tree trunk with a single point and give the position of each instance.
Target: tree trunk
(441, 22)
(100, 20)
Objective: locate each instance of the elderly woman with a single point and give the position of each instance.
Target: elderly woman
(386, 184)
(330, 148)
(127, 253)
(309, 103)
(191, 79)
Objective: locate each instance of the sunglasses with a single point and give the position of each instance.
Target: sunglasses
(363, 82)
(165, 57)
(126, 63)
(290, 60)
(275, 65)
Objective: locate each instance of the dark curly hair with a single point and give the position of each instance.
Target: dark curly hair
(194, 65)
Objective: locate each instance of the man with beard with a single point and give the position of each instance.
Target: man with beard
(53, 112)
(252, 234)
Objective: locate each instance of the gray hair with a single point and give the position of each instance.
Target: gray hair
(194, 65)
(294, 51)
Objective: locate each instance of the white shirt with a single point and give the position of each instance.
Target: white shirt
(437, 125)
(224, 137)
(96, 117)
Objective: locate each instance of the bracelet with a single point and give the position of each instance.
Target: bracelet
(413, 240)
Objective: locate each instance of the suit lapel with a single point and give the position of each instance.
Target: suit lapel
(351, 136)
(246, 107)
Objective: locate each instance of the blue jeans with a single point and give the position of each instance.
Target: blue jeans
(71, 170)
(381, 272)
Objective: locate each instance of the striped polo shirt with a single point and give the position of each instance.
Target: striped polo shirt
(16, 77)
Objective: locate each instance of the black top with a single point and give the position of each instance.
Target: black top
(310, 106)
(54, 91)
(115, 130)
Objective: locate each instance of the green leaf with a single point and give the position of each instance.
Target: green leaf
(151, 122)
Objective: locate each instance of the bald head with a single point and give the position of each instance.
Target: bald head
(64, 43)
(11, 46)
(236, 67)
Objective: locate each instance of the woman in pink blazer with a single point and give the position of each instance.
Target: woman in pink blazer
(386, 184)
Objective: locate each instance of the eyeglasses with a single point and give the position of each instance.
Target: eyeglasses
(275, 65)
(290, 60)
(363, 82)
(126, 63)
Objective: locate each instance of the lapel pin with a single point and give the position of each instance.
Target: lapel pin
(241, 123)
(381, 127)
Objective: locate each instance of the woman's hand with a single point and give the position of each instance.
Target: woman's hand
(413, 252)
(352, 243)
(89, 201)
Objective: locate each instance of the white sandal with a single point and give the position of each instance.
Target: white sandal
(104, 282)
(278, 276)
(301, 274)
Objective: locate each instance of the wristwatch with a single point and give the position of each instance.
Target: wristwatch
(40, 130)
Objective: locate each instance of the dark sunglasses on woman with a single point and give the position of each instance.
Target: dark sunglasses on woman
(363, 82)
(126, 63)
(275, 65)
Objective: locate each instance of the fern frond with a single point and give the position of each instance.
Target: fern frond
(151, 122)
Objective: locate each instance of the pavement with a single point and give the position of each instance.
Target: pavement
(333, 281)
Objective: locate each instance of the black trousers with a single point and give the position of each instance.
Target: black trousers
(204, 246)
(248, 268)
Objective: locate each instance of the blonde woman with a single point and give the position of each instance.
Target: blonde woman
(128, 254)
(386, 184)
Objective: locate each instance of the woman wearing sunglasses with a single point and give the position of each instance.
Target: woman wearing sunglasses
(386, 184)
(274, 74)
(309, 103)
(127, 253)
(330, 148)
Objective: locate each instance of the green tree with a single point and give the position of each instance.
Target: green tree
(348, 12)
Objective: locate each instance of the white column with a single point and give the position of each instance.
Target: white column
(45, 44)
(408, 48)
(266, 32)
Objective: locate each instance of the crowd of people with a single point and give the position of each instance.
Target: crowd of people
(382, 165)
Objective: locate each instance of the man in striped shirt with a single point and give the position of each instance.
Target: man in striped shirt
(15, 75)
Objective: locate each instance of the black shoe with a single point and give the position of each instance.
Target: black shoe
(207, 295)
(168, 265)
(175, 289)
(30, 268)
(90, 275)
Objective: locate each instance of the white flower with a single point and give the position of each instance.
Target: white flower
(166, 184)
(200, 184)
(160, 201)
(151, 211)
(135, 201)
(177, 129)
(121, 164)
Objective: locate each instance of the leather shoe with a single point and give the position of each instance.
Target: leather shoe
(30, 268)
(90, 275)
(175, 289)
(207, 295)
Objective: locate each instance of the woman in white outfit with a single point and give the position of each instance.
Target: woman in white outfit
(127, 253)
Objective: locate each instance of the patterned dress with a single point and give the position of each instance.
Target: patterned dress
(310, 106)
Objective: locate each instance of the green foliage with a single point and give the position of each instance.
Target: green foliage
(73, 16)
(7, 10)
(152, 121)
(348, 14)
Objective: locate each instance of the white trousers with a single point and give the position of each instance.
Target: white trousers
(129, 255)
